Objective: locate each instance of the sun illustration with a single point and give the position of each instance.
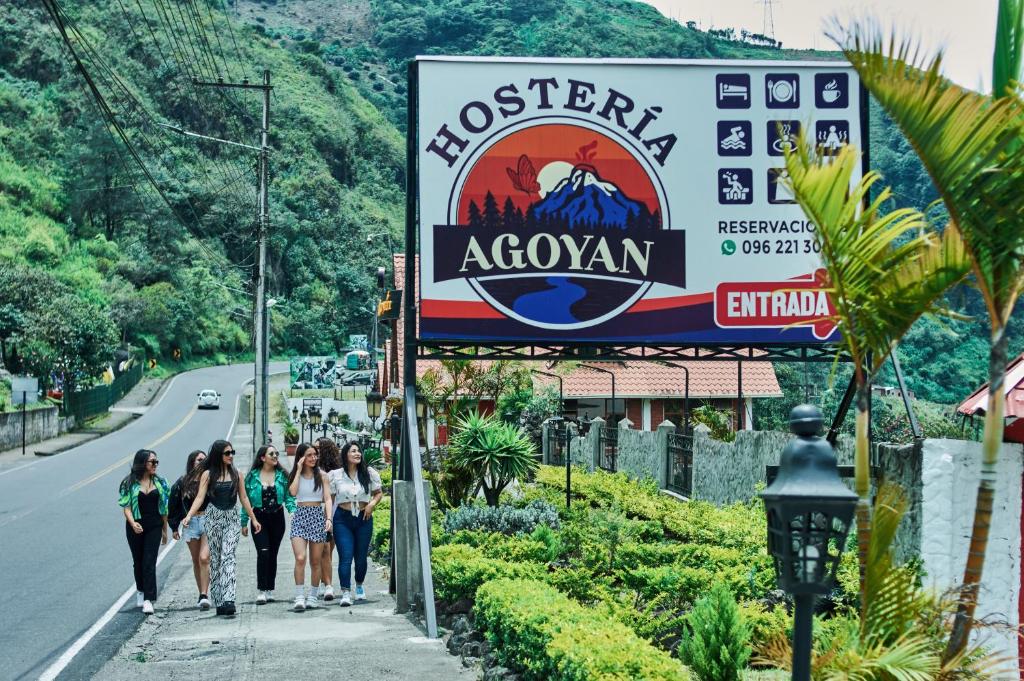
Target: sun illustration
(521, 170)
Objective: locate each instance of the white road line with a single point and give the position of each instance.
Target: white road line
(40, 460)
(54, 670)
(57, 667)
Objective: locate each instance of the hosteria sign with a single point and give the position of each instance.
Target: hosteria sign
(623, 201)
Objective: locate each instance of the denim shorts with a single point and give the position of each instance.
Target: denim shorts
(195, 530)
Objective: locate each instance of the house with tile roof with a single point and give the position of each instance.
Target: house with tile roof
(646, 392)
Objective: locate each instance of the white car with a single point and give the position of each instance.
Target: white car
(209, 399)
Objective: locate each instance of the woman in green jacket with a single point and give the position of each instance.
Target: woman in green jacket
(143, 499)
(266, 484)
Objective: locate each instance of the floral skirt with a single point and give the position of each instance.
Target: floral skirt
(308, 523)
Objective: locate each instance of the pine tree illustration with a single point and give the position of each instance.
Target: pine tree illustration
(492, 217)
(508, 215)
(475, 220)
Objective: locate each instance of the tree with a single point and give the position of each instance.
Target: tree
(970, 145)
(883, 272)
(496, 453)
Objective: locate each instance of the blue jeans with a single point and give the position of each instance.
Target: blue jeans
(352, 535)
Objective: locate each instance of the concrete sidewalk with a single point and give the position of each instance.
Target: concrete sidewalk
(366, 640)
(127, 409)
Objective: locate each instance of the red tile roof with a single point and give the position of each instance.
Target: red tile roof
(632, 379)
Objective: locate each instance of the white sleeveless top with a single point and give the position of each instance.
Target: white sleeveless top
(346, 490)
(306, 491)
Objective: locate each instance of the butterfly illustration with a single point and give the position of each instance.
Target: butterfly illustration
(524, 177)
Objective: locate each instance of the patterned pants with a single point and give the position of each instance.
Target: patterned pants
(223, 532)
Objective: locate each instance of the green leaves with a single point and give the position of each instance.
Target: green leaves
(496, 452)
(1009, 48)
(717, 644)
(968, 143)
(884, 269)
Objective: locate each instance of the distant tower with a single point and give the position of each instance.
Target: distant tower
(768, 25)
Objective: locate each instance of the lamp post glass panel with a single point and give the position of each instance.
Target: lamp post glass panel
(809, 513)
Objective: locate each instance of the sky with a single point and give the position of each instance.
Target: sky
(965, 30)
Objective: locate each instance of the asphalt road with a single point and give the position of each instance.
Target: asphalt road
(64, 560)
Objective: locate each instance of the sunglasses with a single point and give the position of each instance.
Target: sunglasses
(154, 461)
(272, 455)
(229, 453)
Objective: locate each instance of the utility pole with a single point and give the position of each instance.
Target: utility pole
(261, 388)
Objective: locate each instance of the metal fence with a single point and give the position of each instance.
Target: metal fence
(609, 448)
(680, 462)
(85, 403)
(556, 444)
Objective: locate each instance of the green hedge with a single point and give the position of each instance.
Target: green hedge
(459, 570)
(549, 637)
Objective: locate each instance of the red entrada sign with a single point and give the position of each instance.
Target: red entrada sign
(768, 304)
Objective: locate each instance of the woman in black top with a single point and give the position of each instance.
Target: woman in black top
(143, 498)
(183, 492)
(220, 479)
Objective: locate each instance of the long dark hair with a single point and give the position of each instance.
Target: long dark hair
(300, 454)
(215, 463)
(257, 461)
(137, 471)
(330, 457)
(190, 481)
(362, 470)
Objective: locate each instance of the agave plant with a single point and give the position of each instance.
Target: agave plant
(970, 145)
(884, 270)
(497, 453)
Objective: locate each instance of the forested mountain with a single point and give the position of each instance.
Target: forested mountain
(83, 230)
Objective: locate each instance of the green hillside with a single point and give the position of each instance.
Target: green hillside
(172, 269)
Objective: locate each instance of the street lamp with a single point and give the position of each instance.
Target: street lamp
(304, 419)
(374, 400)
(295, 414)
(809, 513)
(314, 421)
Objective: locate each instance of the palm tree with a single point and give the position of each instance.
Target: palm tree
(970, 145)
(884, 272)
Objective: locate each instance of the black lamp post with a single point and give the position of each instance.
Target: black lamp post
(303, 419)
(315, 419)
(295, 414)
(809, 514)
(333, 418)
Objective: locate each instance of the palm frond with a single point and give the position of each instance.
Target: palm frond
(967, 142)
(885, 269)
(1006, 58)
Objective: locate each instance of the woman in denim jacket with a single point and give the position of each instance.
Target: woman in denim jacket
(266, 484)
(143, 499)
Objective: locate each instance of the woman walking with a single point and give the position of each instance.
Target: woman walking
(266, 485)
(183, 493)
(310, 522)
(357, 491)
(329, 461)
(220, 480)
(143, 499)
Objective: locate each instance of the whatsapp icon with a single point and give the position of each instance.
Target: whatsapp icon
(728, 247)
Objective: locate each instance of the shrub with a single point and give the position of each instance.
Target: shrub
(460, 570)
(548, 637)
(717, 643)
(766, 625)
(497, 453)
(505, 519)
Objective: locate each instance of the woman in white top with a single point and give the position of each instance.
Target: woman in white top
(310, 522)
(357, 491)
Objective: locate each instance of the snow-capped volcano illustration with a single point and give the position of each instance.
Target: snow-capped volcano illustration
(583, 198)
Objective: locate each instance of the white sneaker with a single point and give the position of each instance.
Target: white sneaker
(328, 593)
(140, 598)
(312, 602)
(147, 608)
(300, 604)
(270, 596)
(346, 599)
(204, 602)
(261, 598)
(360, 593)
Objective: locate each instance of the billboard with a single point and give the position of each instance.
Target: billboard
(620, 200)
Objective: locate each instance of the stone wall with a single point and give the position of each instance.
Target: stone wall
(40, 424)
(641, 454)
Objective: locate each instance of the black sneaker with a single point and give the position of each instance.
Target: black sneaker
(222, 610)
(229, 608)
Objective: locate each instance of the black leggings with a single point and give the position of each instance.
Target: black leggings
(267, 541)
(145, 547)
